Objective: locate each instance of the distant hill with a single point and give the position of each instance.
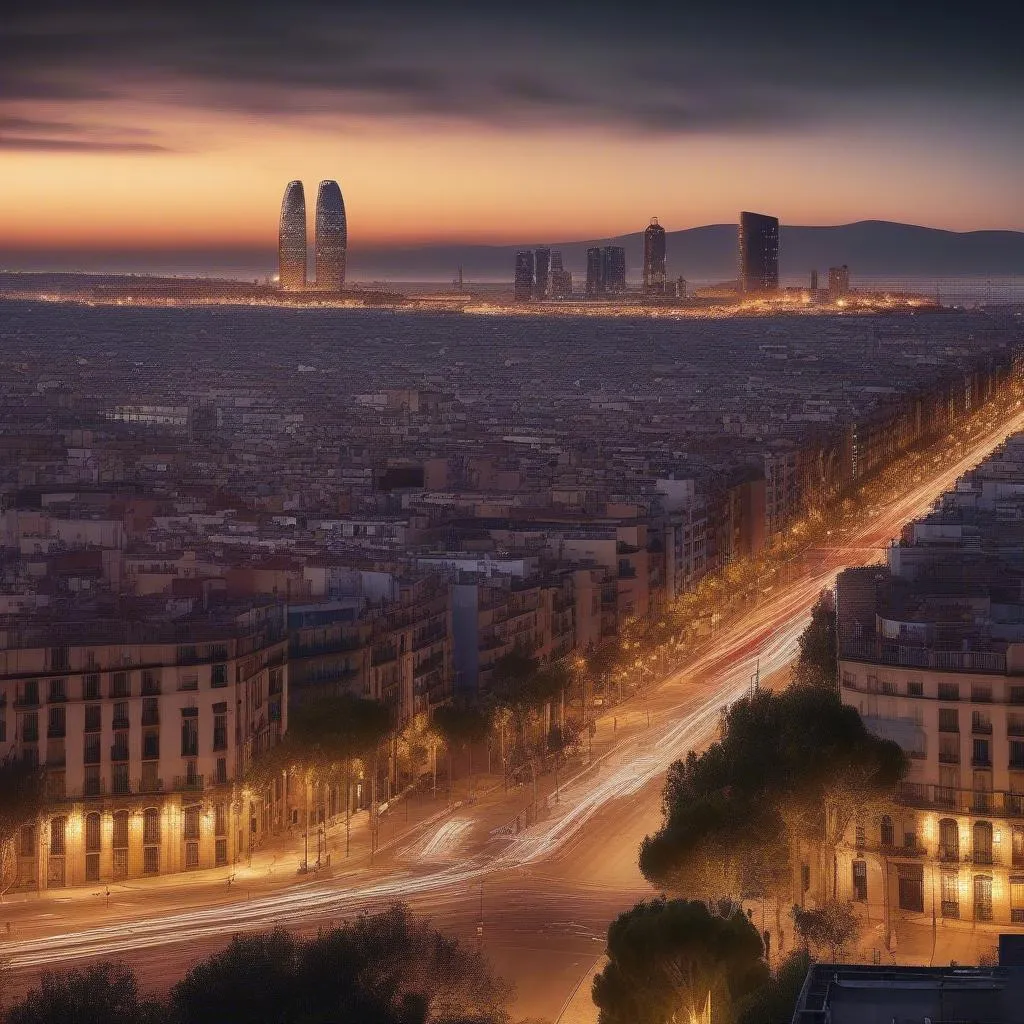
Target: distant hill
(872, 248)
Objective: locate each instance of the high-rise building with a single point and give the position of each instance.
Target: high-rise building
(561, 279)
(814, 280)
(523, 287)
(613, 269)
(758, 253)
(331, 238)
(838, 282)
(541, 275)
(291, 240)
(654, 259)
(595, 272)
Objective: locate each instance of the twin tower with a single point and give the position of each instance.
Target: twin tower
(330, 245)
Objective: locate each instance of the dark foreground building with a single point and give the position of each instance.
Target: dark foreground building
(758, 254)
(524, 281)
(613, 269)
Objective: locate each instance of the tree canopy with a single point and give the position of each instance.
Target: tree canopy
(818, 661)
(792, 763)
(460, 725)
(665, 957)
(386, 968)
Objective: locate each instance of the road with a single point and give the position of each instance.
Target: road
(548, 893)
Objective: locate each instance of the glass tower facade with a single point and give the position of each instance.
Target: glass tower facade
(524, 281)
(654, 259)
(291, 239)
(758, 253)
(613, 269)
(331, 238)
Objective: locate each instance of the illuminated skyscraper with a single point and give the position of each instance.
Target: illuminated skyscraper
(613, 269)
(291, 239)
(542, 269)
(595, 272)
(523, 288)
(838, 282)
(331, 238)
(758, 253)
(654, 259)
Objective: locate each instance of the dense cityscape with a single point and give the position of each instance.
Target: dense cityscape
(434, 590)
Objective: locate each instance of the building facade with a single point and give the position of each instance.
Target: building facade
(654, 259)
(331, 238)
(291, 244)
(613, 269)
(523, 285)
(542, 274)
(758, 254)
(144, 739)
(595, 272)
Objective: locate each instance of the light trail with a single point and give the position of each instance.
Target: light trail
(766, 636)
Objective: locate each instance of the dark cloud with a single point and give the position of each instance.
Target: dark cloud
(42, 145)
(655, 67)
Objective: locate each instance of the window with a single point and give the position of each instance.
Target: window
(92, 784)
(190, 737)
(190, 826)
(1017, 694)
(981, 754)
(949, 749)
(91, 687)
(982, 842)
(220, 853)
(220, 732)
(910, 839)
(915, 688)
(860, 881)
(150, 682)
(981, 693)
(151, 711)
(949, 720)
(151, 825)
(1017, 899)
(886, 832)
(1017, 845)
(56, 725)
(191, 856)
(949, 691)
(151, 860)
(59, 659)
(1017, 753)
(58, 827)
(981, 722)
(30, 692)
(121, 715)
(218, 676)
(27, 844)
(58, 690)
(911, 887)
(982, 897)
(220, 819)
(151, 745)
(950, 885)
(949, 840)
(222, 771)
(120, 830)
(92, 832)
(119, 685)
(91, 752)
(93, 717)
(30, 727)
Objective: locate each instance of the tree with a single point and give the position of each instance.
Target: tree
(819, 652)
(461, 725)
(22, 800)
(833, 926)
(775, 1001)
(386, 968)
(327, 740)
(103, 993)
(668, 957)
(790, 767)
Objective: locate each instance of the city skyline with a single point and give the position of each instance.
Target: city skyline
(783, 113)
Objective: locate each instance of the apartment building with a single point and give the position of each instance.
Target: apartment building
(145, 728)
(932, 656)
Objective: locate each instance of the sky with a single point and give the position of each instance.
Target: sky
(160, 126)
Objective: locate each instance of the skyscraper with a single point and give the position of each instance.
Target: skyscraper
(613, 269)
(838, 282)
(541, 279)
(758, 253)
(291, 239)
(654, 259)
(561, 279)
(595, 272)
(523, 288)
(331, 238)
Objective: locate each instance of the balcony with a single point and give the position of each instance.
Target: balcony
(981, 728)
(949, 854)
(118, 752)
(961, 801)
(949, 757)
(980, 761)
(982, 857)
(92, 788)
(150, 717)
(188, 783)
(30, 700)
(120, 723)
(150, 786)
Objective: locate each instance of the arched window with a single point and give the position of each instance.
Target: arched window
(949, 840)
(887, 833)
(150, 825)
(982, 842)
(92, 832)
